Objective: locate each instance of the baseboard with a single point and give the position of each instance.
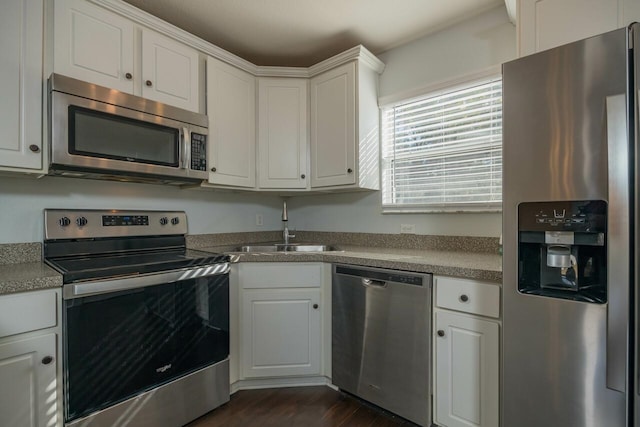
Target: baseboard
(257, 383)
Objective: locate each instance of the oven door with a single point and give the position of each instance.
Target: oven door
(140, 335)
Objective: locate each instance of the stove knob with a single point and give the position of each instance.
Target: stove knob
(175, 221)
(64, 221)
(164, 220)
(82, 221)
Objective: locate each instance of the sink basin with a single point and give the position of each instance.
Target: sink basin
(281, 247)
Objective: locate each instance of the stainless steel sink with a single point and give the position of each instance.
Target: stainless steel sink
(281, 247)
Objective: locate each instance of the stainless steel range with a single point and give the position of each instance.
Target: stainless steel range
(146, 321)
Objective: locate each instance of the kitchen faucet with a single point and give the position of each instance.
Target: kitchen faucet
(285, 222)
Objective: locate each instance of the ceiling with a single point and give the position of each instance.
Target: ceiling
(304, 32)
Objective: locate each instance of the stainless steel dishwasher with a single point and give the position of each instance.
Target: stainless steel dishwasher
(381, 338)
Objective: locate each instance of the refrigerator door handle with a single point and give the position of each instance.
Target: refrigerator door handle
(618, 268)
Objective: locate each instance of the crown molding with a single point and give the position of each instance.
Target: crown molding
(359, 52)
(154, 23)
(145, 19)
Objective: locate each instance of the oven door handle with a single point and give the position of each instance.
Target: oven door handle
(78, 290)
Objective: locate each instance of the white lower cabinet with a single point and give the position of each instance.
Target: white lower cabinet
(281, 332)
(467, 354)
(282, 312)
(29, 331)
(28, 382)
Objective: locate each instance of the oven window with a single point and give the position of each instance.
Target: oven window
(97, 134)
(120, 344)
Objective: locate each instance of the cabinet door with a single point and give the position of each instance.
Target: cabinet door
(544, 24)
(467, 376)
(27, 385)
(94, 45)
(333, 130)
(21, 84)
(231, 100)
(280, 332)
(282, 133)
(169, 71)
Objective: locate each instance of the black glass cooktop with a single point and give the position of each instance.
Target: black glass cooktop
(94, 267)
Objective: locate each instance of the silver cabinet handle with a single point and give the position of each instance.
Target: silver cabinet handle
(184, 149)
(619, 244)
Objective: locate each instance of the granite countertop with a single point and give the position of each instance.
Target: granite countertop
(474, 265)
(21, 268)
(28, 276)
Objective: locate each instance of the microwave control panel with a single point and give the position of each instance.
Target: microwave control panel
(198, 152)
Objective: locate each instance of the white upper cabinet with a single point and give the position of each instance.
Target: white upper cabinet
(282, 133)
(333, 132)
(544, 24)
(169, 71)
(345, 125)
(21, 84)
(94, 45)
(231, 104)
(101, 47)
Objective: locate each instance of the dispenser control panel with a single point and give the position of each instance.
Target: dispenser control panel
(578, 216)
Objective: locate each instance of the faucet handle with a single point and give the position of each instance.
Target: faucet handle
(285, 215)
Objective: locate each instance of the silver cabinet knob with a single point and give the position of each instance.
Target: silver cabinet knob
(34, 148)
(148, 83)
(464, 298)
(440, 333)
(128, 76)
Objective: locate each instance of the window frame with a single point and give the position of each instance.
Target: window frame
(449, 86)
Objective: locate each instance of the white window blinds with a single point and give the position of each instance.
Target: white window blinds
(444, 152)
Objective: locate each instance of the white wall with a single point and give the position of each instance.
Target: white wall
(469, 47)
(23, 199)
(486, 40)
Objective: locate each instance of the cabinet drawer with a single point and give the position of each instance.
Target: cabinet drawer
(280, 275)
(26, 312)
(468, 296)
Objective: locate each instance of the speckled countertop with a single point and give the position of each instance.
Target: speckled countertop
(21, 268)
(475, 265)
(28, 276)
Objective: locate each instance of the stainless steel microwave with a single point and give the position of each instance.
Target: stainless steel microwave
(97, 132)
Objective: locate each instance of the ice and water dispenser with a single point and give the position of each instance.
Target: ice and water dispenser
(562, 250)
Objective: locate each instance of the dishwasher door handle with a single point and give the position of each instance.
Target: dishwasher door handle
(374, 283)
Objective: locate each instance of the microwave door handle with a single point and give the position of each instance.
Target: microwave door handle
(619, 245)
(185, 151)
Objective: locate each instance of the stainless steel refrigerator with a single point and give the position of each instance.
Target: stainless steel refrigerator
(570, 205)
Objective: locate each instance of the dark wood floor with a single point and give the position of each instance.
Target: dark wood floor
(297, 406)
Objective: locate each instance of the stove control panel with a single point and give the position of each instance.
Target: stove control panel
(77, 224)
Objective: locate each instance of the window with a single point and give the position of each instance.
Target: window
(444, 152)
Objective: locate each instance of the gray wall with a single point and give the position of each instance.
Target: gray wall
(23, 199)
(485, 40)
(469, 47)
(361, 213)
